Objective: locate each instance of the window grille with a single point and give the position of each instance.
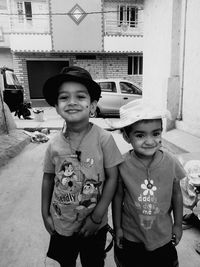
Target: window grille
(135, 65)
(128, 15)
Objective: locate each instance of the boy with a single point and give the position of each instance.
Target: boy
(80, 172)
(148, 191)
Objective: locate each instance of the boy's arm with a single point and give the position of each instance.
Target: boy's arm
(94, 220)
(47, 190)
(117, 213)
(177, 207)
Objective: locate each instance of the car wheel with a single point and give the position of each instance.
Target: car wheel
(95, 114)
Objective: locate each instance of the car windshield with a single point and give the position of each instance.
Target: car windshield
(128, 88)
(108, 87)
(11, 78)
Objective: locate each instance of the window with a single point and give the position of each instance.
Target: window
(24, 10)
(108, 87)
(128, 88)
(135, 65)
(128, 15)
(28, 10)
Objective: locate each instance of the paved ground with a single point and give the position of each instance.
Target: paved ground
(176, 141)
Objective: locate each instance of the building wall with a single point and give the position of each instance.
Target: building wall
(104, 66)
(162, 53)
(67, 35)
(157, 50)
(191, 83)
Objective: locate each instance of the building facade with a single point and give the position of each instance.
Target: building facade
(172, 60)
(105, 37)
(5, 51)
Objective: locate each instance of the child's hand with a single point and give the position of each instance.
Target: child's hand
(89, 227)
(48, 222)
(119, 237)
(176, 234)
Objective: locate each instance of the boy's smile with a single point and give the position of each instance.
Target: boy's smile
(74, 102)
(145, 137)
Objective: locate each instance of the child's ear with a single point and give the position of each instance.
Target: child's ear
(125, 136)
(93, 106)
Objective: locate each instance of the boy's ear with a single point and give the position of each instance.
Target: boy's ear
(93, 106)
(125, 136)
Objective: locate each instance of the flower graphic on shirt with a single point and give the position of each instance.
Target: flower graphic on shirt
(148, 187)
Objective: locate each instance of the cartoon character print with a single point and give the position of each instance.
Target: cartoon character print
(147, 203)
(88, 197)
(67, 179)
(67, 187)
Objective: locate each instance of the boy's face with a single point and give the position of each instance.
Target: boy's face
(74, 104)
(145, 137)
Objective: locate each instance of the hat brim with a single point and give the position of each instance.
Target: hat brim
(124, 123)
(119, 124)
(51, 87)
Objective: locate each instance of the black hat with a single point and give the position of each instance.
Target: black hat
(76, 74)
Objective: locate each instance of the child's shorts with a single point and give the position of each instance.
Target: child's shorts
(135, 255)
(65, 249)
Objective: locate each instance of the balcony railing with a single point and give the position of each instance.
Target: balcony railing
(38, 25)
(113, 27)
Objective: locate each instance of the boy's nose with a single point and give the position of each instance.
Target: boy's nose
(72, 100)
(149, 140)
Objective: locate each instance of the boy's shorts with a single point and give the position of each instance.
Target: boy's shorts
(65, 249)
(135, 254)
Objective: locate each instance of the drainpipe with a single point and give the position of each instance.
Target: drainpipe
(180, 110)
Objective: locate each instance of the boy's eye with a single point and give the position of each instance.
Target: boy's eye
(81, 96)
(139, 135)
(62, 97)
(157, 134)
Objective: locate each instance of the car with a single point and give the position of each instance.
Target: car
(114, 94)
(13, 92)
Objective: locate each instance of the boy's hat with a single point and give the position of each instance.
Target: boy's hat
(138, 110)
(75, 74)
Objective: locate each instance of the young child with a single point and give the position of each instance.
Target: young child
(80, 172)
(148, 191)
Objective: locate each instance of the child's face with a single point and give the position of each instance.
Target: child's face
(145, 137)
(74, 104)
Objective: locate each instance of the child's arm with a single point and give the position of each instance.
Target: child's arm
(94, 220)
(47, 190)
(177, 207)
(117, 212)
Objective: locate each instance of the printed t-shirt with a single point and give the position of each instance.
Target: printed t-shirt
(78, 184)
(146, 215)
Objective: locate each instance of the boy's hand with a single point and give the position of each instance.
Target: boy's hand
(48, 222)
(119, 237)
(176, 234)
(89, 228)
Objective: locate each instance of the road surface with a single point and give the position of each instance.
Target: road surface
(23, 238)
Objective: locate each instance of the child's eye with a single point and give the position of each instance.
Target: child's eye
(62, 97)
(157, 134)
(139, 136)
(81, 96)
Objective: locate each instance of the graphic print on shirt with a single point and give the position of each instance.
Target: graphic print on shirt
(74, 189)
(147, 204)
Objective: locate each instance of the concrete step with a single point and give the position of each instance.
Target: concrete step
(184, 142)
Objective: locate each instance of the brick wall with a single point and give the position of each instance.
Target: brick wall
(104, 66)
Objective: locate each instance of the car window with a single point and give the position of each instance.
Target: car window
(108, 87)
(11, 78)
(129, 88)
